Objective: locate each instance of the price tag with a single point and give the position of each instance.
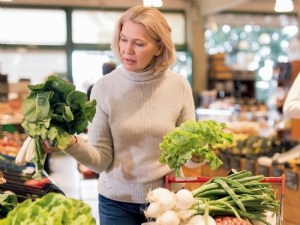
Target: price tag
(236, 163)
(291, 180)
(263, 170)
(276, 172)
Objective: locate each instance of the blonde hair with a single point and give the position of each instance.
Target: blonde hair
(156, 26)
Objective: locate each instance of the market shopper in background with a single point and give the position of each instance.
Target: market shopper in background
(137, 104)
(291, 106)
(107, 67)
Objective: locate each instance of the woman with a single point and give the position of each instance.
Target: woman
(137, 104)
(291, 106)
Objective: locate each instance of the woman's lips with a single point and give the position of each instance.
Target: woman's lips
(129, 61)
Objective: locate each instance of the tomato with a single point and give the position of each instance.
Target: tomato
(37, 183)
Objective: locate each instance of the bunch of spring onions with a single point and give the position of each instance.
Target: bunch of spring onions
(240, 195)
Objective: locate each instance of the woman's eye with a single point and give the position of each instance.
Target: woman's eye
(123, 39)
(139, 44)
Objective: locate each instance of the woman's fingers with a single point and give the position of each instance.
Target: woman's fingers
(48, 148)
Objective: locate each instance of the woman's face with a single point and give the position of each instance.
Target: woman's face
(137, 48)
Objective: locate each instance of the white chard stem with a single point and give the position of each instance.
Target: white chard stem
(21, 156)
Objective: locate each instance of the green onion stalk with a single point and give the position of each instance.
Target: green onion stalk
(241, 195)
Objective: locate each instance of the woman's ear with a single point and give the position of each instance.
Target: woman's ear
(160, 49)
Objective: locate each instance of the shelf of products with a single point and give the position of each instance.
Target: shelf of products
(229, 82)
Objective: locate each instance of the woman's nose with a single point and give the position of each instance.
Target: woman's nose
(128, 48)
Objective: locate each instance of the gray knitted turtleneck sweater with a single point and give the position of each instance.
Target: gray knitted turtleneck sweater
(134, 112)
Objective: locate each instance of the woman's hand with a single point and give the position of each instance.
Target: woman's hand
(49, 149)
(195, 159)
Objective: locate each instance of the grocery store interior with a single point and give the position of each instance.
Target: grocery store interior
(240, 57)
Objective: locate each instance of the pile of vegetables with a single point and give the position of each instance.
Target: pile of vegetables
(245, 144)
(239, 195)
(194, 138)
(51, 209)
(53, 111)
(8, 201)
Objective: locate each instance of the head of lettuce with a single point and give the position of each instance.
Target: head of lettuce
(51, 209)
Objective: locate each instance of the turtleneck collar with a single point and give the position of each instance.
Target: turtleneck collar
(143, 76)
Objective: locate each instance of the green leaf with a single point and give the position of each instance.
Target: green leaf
(63, 138)
(76, 99)
(90, 109)
(194, 138)
(51, 209)
(54, 111)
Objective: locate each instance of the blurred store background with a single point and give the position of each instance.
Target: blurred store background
(240, 57)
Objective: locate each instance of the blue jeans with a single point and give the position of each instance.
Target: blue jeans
(120, 213)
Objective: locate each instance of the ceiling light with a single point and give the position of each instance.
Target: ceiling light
(153, 3)
(284, 6)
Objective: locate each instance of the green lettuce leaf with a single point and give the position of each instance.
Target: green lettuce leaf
(194, 138)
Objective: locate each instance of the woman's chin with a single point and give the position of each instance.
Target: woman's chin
(130, 68)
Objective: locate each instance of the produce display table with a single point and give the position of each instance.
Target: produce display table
(19, 180)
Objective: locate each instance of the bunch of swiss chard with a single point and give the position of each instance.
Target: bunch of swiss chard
(53, 111)
(194, 138)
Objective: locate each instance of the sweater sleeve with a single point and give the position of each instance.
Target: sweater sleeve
(97, 153)
(188, 109)
(291, 107)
